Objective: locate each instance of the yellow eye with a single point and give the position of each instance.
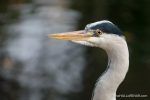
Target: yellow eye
(98, 32)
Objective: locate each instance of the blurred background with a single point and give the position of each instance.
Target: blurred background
(33, 67)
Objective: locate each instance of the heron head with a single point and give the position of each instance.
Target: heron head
(99, 34)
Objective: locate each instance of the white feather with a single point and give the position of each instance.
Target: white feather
(117, 50)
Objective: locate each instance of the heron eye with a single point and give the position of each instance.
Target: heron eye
(98, 32)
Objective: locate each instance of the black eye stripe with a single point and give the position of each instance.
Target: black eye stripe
(105, 27)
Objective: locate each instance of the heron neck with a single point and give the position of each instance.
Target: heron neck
(108, 83)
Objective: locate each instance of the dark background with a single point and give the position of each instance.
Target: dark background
(132, 16)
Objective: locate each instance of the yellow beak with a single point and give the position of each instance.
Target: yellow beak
(75, 35)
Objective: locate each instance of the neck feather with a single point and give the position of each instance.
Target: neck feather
(108, 83)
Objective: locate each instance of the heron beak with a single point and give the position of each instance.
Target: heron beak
(74, 36)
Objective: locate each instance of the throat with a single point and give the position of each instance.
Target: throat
(115, 73)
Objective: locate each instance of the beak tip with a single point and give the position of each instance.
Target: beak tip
(75, 35)
(51, 35)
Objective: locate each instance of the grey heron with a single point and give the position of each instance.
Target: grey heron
(106, 35)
